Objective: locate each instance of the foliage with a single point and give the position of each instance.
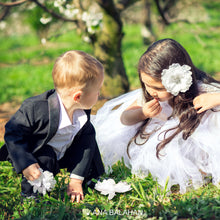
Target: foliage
(29, 62)
(25, 61)
(146, 200)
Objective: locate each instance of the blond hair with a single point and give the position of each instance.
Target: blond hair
(76, 69)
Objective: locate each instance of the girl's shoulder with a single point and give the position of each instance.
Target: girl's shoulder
(140, 98)
(208, 87)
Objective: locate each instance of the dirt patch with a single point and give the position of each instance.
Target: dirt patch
(217, 76)
(6, 111)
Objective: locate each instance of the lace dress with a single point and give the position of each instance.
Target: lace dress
(184, 162)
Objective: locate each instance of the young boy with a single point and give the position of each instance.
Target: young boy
(53, 130)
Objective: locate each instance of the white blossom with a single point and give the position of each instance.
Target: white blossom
(41, 1)
(45, 183)
(177, 78)
(58, 3)
(91, 30)
(92, 20)
(86, 39)
(109, 187)
(43, 40)
(70, 12)
(84, 16)
(2, 25)
(45, 20)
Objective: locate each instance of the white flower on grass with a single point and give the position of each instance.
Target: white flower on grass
(177, 78)
(45, 183)
(109, 187)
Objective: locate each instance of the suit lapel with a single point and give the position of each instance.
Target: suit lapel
(85, 125)
(54, 115)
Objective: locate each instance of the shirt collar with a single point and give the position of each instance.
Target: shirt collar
(79, 116)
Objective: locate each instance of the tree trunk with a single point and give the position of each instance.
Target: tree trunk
(107, 48)
(146, 29)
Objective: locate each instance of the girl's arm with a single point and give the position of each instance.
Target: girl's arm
(135, 113)
(206, 101)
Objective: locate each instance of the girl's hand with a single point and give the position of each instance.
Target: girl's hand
(75, 190)
(32, 172)
(151, 108)
(135, 113)
(206, 101)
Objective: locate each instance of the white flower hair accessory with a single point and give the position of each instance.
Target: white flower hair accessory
(45, 183)
(109, 187)
(177, 78)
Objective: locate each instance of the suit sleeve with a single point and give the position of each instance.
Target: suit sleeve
(18, 132)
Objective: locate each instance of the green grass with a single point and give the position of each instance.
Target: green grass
(201, 40)
(202, 43)
(26, 65)
(145, 200)
(25, 61)
(132, 48)
(24, 81)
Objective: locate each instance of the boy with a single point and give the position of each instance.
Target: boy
(53, 130)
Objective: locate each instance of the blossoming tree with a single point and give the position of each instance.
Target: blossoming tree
(99, 22)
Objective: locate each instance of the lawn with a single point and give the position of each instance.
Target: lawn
(26, 65)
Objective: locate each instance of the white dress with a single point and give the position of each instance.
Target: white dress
(183, 162)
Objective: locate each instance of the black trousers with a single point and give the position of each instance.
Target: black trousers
(47, 160)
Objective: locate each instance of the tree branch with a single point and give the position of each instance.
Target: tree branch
(161, 12)
(110, 9)
(123, 4)
(12, 4)
(54, 14)
(5, 12)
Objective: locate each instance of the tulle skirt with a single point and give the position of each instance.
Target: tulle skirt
(184, 162)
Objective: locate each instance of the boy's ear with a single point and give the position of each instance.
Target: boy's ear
(77, 95)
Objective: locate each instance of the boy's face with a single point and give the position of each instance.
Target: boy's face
(90, 96)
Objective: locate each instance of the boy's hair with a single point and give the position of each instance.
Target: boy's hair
(76, 69)
(159, 56)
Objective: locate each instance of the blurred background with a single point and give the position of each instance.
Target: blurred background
(33, 33)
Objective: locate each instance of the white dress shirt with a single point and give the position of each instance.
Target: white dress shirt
(67, 131)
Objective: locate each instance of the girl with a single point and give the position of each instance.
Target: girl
(174, 121)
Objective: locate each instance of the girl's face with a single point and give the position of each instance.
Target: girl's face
(155, 88)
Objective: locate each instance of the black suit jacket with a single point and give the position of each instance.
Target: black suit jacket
(35, 123)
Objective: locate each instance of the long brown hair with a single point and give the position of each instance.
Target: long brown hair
(160, 55)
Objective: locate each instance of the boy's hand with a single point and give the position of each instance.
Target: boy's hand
(32, 172)
(206, 101)
(151, 108)
(75, 190)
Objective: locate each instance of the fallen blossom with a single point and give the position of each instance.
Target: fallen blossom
(45, 183)
(110, 188)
